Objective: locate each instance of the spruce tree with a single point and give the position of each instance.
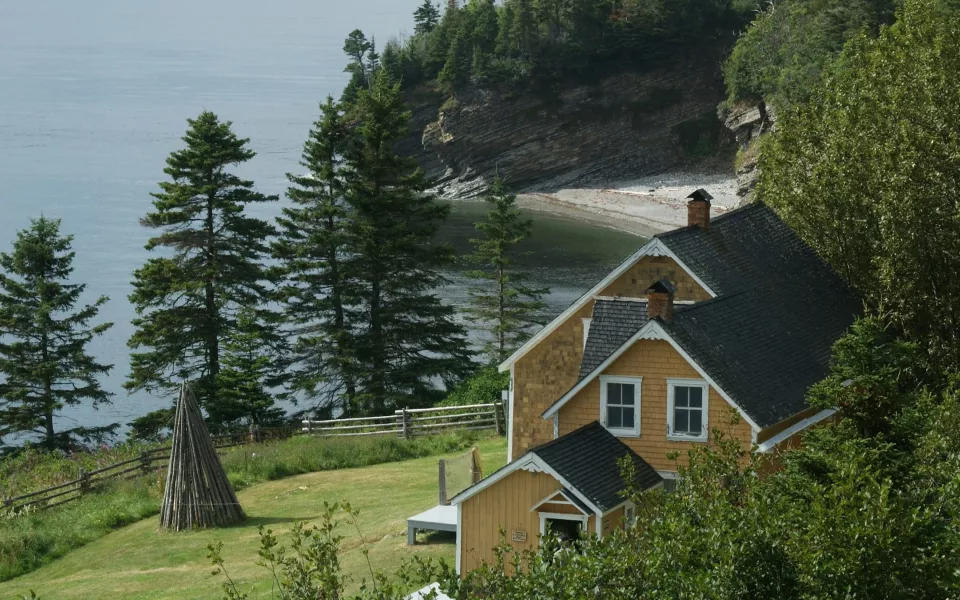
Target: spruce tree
(44, 363)
(502, 301)
(246, 368)
(320, 294)
(456, 71)
(407, 340)
(213, 265)
(426, 17)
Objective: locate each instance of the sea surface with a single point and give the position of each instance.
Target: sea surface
(95, 94)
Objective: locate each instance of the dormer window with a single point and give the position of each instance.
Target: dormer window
(620, 405)
(687, 410)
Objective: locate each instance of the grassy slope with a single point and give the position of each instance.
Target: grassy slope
(138, 562)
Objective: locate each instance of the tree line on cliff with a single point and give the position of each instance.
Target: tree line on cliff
(523, 42)
(335, 303)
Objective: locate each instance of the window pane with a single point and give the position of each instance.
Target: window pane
(614, 417)
(696, 397)
(680, 396)
(627, 389)
(628, 415)
(696, 422)
(613, 393)
(680, 421)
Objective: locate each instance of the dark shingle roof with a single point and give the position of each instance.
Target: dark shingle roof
(613, 322)
(768, 335)
(588, 459)
(747, 248)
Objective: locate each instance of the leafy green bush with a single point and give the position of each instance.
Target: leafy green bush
(483, 387)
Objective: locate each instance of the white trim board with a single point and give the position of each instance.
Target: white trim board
(459, 536)
(655, 247)
(787, 433)
(528, 462)
(550, 499)
(652, 330)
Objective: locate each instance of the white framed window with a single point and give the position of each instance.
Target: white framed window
(563, 525)
(620, 404)
(687, 410)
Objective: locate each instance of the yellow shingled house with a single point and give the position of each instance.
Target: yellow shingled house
(730, 315)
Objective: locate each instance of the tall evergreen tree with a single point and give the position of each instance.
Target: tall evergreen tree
(320, 294)
(502, 301)
(407, 341)
(44, 364)
(187, 301)
(426, 17)
(456, 71)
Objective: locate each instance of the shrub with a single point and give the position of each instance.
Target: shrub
(483, 387)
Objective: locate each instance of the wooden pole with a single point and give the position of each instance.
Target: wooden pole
(443, 482)
(405, 426)
(497, 416)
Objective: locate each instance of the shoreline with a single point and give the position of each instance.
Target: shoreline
(643, 207)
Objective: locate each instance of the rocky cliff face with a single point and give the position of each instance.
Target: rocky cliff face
(627, 125)
(748, 122)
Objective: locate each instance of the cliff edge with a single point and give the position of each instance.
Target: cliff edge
(623, 126)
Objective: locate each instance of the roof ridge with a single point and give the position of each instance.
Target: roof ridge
(755, 205)
(564, 436)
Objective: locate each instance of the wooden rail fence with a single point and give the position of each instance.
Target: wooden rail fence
(149, 461)
(405, 423)
(410, 422)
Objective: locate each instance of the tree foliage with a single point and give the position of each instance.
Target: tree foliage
(44, 362)
(319, 291)
(520, 42)
(406, 340)
(781, 55)
(867, 171)
(502, 301)
(188, 300)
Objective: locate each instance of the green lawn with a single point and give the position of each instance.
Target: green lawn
(139, 562)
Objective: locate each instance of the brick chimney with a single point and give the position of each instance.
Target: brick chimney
(660, 300)
(698, 209)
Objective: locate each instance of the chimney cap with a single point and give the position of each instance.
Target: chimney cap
(662, 286)
(701, 195)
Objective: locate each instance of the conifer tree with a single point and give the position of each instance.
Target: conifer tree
(320, 294)
(426, 17)
(456, 71)
(44, 363)
(407, 339)
(502, 300)
(188, 300)
(246, 368)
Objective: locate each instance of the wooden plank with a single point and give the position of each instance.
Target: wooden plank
(456, 416)
(447, 408)
(354, 427)
(113, 466)
(352, 419)
(329, 435)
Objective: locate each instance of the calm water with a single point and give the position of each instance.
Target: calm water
(94, 95)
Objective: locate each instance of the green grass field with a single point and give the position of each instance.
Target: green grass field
(138, 562)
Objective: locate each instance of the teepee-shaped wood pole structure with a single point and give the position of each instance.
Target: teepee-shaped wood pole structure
(198, 493)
